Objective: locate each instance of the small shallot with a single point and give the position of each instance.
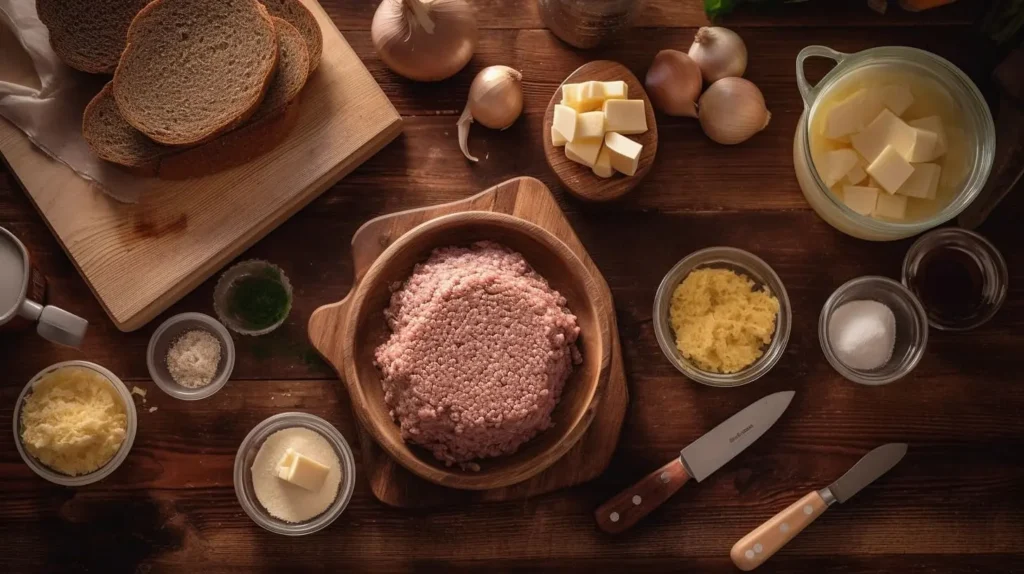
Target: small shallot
(495, 100)
(673, 83)
(732, 110)
(719, 52)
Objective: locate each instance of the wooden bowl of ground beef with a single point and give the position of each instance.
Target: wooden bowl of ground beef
(476, 350)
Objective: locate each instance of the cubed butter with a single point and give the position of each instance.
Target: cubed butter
(591, 96)
(302, 471)
(857, 173)
(625, 116)
(617, 90)
(557, 139)
(836, 164)
(583, 151)
(860, 199)
(891, 206)
(896, 98)
(885, 130)
(847, 117)
(603, 165)
(564, 122)
(923, 183)
(570, 94)
(623, 152)
(924, 146)
(890, 170)
(590, 125)
(932, 124)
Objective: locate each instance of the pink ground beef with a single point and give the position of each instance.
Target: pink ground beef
(480, 350)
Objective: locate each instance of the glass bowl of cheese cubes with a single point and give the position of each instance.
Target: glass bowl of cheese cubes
(893, 141)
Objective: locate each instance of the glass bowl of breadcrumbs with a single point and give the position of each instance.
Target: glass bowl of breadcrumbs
(191, 356)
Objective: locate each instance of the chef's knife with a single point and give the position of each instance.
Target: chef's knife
(754, 548)
(698, 460)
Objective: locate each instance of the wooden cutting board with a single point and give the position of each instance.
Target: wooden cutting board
(138, 259)
(392, 484)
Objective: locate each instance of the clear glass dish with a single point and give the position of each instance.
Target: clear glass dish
(911, 328)
(164, 337)
(250, 268)
(104, 471)
(995, 275)
(742, 262)
(243, 473)
(978, 127)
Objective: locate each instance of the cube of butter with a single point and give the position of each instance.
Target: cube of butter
(890, 170)
(924, 146)
(897, 98)
(564, 122)
(625, 116)
(590, 125)
(836, 164)
(885, 130)
(860, 199)
(891, 206)
(570, 94)
(583, 151)
(603, 165)
(857, 173)
(591, 96)
(932, 124)
(847, 117)
(302, 471)
(617, 90)
(923, 183)
(623, 152)
(557, 139)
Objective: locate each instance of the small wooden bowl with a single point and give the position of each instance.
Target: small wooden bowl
(580, 179)
(365, 329)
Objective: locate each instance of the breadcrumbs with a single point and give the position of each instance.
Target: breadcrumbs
(193, 359)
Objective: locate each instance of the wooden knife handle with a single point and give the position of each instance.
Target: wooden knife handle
(637, 501)
(764, 541)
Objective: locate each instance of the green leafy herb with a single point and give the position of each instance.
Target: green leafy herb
(259, 301)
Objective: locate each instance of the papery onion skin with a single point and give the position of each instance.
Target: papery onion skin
(732, 110)
(673, 83)
(719, 52)
(410, 51)
(496, 97)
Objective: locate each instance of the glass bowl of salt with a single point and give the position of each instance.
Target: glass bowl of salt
(873, 330)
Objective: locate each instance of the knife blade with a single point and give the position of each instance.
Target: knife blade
(764, 541)
(697, 461)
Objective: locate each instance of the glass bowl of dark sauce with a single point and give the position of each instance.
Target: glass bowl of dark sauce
(959, 276)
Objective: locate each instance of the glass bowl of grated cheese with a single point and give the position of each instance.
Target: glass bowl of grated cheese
(190, 356)
(76, 378)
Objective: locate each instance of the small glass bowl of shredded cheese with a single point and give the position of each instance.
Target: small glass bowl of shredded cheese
(765, 295)
(74, 423)
(190, 356)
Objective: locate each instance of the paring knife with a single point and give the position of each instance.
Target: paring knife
(754, 548)
(698, 460)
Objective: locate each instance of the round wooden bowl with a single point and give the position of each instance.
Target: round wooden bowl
(580, 179)
(365, 329)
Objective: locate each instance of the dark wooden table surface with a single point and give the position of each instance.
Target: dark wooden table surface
(955, 504)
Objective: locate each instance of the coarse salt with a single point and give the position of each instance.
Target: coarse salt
(862, 334)
(193, 359)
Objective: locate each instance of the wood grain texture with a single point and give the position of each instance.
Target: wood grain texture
(954, 505)
(766, 540)
(384, 251)
(628, 507)
(579, 179)
(140, 258)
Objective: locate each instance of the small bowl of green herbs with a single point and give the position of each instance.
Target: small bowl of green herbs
(253, 298)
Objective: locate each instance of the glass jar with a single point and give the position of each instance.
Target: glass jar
(587, 23)
(978, 128)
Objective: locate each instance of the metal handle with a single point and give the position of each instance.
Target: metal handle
(807, 91)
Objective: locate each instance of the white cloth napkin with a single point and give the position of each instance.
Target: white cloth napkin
(51, 116)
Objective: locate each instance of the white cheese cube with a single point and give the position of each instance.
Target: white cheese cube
(857, 173)
(885, 130)
(603, 165)
(302, 471)
(591, 96)
(583, 151)
(617, 90)
(860, 199)
(625, 116)
(836, 164)
(848, 116)
(932, 124)
(564, 122)
(623, 152)
(897, 98)
(923, 183)
(590, 125)
(891, 206)
(890, 170)
(557, 139)
(570, 94)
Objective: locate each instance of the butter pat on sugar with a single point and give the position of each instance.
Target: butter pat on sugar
(890, 170)
(302, 471)
(625, 116)
(623, 152)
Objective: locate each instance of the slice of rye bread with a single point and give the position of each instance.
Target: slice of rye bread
(89, 35)
(194, 69)
(115, 140)
(296, 13)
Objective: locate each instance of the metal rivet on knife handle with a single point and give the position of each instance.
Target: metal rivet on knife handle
(764, 541)
(637, 501)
